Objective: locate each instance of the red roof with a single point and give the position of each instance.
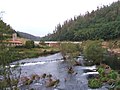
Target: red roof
(15, 42)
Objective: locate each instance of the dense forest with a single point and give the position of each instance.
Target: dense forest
(103, 23)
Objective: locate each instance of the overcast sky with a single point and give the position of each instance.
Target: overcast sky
(39, 17)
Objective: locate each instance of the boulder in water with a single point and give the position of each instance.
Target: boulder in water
(52, 83)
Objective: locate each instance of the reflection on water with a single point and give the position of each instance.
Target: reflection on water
(55, 65)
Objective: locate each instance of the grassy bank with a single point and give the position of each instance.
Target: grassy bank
(35, 52)
(21, 53)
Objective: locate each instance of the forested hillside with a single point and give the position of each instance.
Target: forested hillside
(103, 23)
(6, 30)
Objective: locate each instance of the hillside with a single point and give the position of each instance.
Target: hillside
(103, 23)
(6, 30)
(28, 36)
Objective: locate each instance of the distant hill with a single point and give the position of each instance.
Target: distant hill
(28, 36)
(6, 32)
(103, 23)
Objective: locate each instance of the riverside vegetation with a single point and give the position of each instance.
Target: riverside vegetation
(103, 24)
(94, 54)
(70, 51)
(22, 52)
(9, 77)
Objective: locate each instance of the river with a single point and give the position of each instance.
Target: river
(55, 65)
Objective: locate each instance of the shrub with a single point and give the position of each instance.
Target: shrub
(113, 61)
(70, 49)
(29, 44)
(101, 71)
(94, 83)
(94, 52)
(113, 75)
(104, 79)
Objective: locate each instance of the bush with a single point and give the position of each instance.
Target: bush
(101, 71)
(29, 44)
(70, 49)
(94, 52)
(104, 79)
(118, 83)
(113, 75)
(94, 83)
(113, 61)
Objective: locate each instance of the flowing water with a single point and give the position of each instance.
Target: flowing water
(55, 65)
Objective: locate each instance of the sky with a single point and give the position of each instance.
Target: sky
(39, 17)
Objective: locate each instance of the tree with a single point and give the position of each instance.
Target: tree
(94, 52)
(29, 44)
(10, 78)
(103, 23)
(7, 54)
(70, 49)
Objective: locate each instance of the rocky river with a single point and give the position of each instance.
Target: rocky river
(57, 67)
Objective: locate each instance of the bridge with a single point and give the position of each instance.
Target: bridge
(55, 43)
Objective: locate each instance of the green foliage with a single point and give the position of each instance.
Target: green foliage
(113, 61)
(104, 79)
(29, 44)
(103, 23)
(6, 30)
(113, 75)
(3, 84)
(111, 78)
(117, 85)
(93, 51)
(94, 83)
(70, 49)
(7, 54)
(101, 71)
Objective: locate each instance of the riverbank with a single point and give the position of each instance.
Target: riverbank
(36, 73)
(23, 53)
(35, 52)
